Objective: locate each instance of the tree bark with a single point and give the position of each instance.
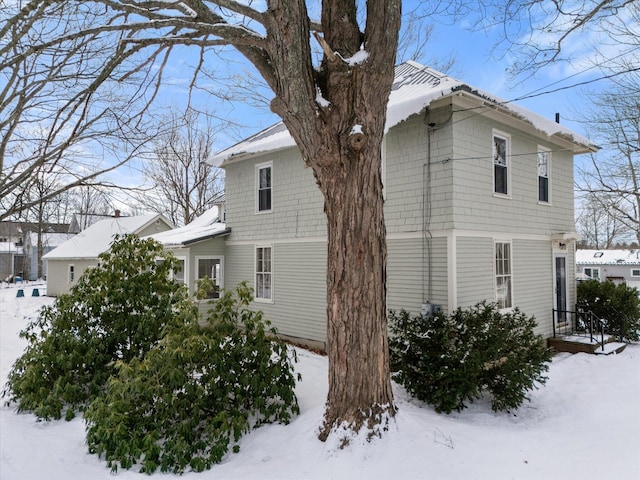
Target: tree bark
(342, 143)
(339, 137)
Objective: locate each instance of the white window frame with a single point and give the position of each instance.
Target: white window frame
(185, 270)
(635, 272)
(256, 292)
(383, 166)
(591, 271)
(499, 273)
(547, 152)
(260, 167)
(220, 285)
(507, 139)
(71, 273)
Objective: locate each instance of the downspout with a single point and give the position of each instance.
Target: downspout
(427, 255)
(428, 308)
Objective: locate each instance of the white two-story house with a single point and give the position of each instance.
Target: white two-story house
(478, 206)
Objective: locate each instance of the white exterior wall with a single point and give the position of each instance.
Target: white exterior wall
(297, 204)
(58, 274)
(442, 221)
(475, 205)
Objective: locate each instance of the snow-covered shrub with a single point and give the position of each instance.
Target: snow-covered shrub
(618, 305)
(449, 361)
(116, 312)
(195, 393)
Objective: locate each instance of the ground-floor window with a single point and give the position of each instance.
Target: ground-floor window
(210, 267)
(504, 295)
(179, 274)
(264, 274)
(593, 272)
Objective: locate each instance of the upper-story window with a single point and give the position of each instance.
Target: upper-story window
(635, 272)
(264, 188)
(504, 295)
(544, 159)
(72, 273)
(500, 164)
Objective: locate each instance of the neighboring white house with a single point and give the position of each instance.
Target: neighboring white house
(478, 206)
(199, 247)
(618, 266)
(67, 262)
(50, 241)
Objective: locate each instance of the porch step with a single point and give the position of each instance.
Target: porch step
(610, 348)
(581, 344)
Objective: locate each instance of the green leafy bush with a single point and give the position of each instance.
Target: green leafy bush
(618, 305)
(117, 311)
(449, 361)
(195, 393)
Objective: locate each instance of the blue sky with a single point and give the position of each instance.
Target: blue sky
(476, 65)
(476, 62)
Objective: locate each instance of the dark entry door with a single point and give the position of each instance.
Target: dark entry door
(561, 288)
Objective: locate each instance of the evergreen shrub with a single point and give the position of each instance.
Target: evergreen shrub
(196, 393)
(116, 312)
(617, 305)
(449, 361)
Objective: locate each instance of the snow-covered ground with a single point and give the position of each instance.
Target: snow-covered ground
(584, 424)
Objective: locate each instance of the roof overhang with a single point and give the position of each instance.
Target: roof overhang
(465, 97)
(566, 237)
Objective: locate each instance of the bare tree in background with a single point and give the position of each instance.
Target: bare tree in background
(598, 223)
(55, 119)
(335, 111)
(184, 183)
(538, 33)
(612, 177)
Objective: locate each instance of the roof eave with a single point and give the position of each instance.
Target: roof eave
(567, 141)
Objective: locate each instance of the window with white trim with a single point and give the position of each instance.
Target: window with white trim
(264, 273)
(635, 272)
(72, 273)
(593, 272)
(544, 164)
(210, 267)
(264, 187)
(500, 164)
(504, 295)
(179, 274)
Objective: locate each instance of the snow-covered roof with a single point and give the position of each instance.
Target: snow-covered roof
(10, 247)
(414, 88)
(80, 221)
(204, 227)
(49, 239)
(97, 238)
(608, 257)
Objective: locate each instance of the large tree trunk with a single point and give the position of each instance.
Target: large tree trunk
(340, 138)
(359, 377)
(342, 144)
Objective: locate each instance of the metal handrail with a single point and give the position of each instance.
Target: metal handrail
(573, 317)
